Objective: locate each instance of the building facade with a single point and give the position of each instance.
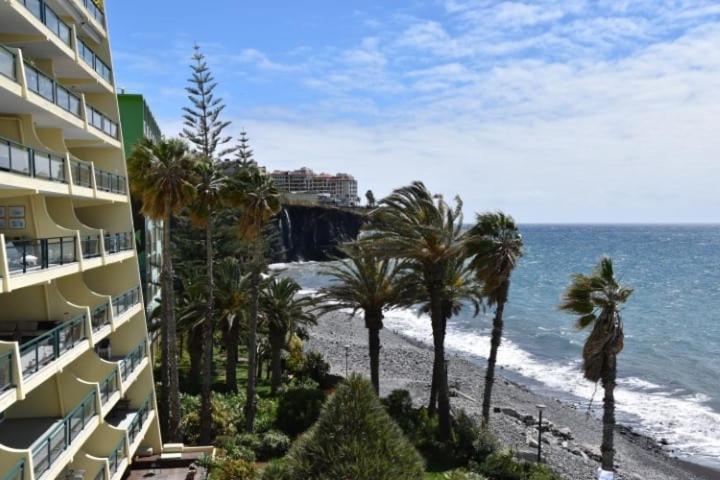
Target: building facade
(77, 393)
(339, 189)
(138, 123)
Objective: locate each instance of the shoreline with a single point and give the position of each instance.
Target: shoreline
(573, 439)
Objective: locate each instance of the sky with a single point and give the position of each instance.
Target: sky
(555, 111)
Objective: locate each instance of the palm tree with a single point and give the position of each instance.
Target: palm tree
(258, 200)
(495, 246)
(210, 193)
(284, 311)
(232, 303)
(369, 283)
(597, 300)
(159, 176)
(425, 232)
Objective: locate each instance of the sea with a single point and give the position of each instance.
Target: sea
(669, 370)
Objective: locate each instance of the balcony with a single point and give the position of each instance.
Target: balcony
(48, 449)
(6, 371)
(8, 63)
(133, 359)
(116, 458)
(39, 351)
(93, 61)
(24, 256)
(119, 242)
(102, 122)
(126, 301)
(100, 317)
(109, 386)
(90, 246)
(17, 472)
(30, 162)
(110, 182)
(94, 11)
(131, 419)
(50, 19)
(52, 91)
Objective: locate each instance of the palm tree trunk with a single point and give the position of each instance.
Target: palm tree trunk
(437, 318)
(607, 448)
(374, 345)
(231, 364)
(495, 340)
(170, 381)
(373, 323)
(432, 405)
(194, 348)
(250, 406)
(276, 345)
(207, 340)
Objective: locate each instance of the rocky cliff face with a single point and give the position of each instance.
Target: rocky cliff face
(313, 232)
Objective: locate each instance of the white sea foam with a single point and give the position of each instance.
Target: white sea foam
(685, 421)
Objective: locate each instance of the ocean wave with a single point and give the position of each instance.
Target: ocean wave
(685, 421)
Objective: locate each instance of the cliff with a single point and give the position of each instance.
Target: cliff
(306, 232)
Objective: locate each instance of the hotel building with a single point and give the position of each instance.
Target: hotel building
(340, 189)
(76, 384)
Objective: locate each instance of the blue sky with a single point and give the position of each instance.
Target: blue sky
(553, 110)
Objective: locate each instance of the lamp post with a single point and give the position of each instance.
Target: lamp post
(347, 355)
(540, 412)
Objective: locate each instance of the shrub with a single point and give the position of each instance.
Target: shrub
(262, 446)
(276, 471)
(298, 408)
(467, 443)
(273, 445)
(353, 438)
(503, 466)
(226, 413)
(266, 414)
(234, 469)
(234, 449)
(311, 366)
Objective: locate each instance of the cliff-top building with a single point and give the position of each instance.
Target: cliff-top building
(339, 189)
(76, 385)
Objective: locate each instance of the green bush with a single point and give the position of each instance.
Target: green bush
(310, 365)
(467, 443)
(354, 438)
(276, 471)
(263, 446)
(503, 466)
(266, 414)
(298, 408)
(226, 414)
(234, 449)
(233, 469)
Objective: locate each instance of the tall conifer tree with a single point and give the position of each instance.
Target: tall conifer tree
(203, 128)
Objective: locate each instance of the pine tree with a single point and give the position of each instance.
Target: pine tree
(244, 154)
(204, 130)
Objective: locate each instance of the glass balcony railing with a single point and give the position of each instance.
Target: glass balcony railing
(125, 301)
(6, 371)
(116, 457)
(46, 451)
(100, 317)
(94, 11)
(8, 63)
(30, 162)
(17, 472)
(81, 173)
(140, 418)
(41, 253)
(108, 386)
(109, 182)
(90, 246)
(118, 242)
(92, 59)
(101, 474)
(102, 122)
(50, 90)
(133, 359)
(50, 19)
(48, 347)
